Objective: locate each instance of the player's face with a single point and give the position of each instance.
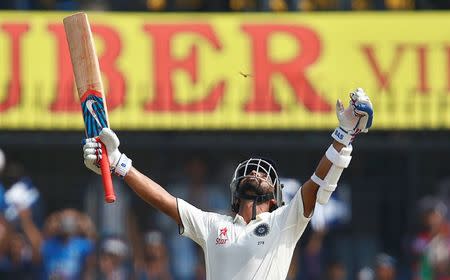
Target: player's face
(259, 181)
(255, 183)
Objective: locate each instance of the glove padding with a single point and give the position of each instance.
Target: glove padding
(355, 119)
(120, 164)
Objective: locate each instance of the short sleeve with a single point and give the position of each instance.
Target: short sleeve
(290, 217)
(195, 222)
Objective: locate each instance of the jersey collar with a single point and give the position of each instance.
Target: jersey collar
(240, 220)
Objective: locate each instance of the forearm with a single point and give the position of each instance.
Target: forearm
(5, 231)
(121, 165)
(153, 193)
(33, 234)
(309, 188)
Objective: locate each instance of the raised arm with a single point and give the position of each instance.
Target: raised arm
(310, 188)
(121, 165)
(153, 193)
(353, 120)
(33, 234)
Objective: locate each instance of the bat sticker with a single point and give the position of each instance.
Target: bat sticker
(93, 112)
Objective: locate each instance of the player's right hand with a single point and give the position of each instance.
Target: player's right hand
(120, 164)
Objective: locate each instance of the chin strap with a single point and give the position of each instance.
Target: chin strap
(257, 199)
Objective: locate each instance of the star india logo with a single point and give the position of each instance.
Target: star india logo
(222, 235)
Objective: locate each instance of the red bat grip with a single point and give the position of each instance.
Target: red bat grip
(110, 196)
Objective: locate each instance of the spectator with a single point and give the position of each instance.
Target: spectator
(113, 260)
(432, 245)
(385, 267)
(65, 249)
(17, 260)
(20, 194)
(156, 259)
(443, 192)
(336, 271)
(365, 273)
(311, 256)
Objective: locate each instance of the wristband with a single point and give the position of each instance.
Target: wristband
(342, 136)
(123, 166)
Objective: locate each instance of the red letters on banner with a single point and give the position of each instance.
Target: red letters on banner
(115, 95)
(15, 32)
(384, 77)
(66, 99)
(294, 71)
(165, 64)
(422, 64)
(262, 97)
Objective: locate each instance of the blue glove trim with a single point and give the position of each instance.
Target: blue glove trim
(368, 110)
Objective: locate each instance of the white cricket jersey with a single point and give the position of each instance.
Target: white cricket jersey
(233, 249)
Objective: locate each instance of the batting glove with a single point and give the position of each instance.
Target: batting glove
(120, 164)
(355, 119)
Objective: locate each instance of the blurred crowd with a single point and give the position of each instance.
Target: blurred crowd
(224, 5)
(110, 243)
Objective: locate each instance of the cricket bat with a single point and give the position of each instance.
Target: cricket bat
(89, 86)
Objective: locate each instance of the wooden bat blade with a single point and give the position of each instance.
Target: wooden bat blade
(87, 74)
(83, 54)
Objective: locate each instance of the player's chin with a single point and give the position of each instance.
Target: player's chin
(255, 184)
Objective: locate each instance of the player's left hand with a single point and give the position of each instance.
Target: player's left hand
(354, 119)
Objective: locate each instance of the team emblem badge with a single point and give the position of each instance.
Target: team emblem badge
(262, 230)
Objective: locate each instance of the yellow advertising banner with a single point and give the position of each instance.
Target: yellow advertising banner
(230, 71)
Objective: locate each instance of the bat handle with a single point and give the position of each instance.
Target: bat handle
(110, 196)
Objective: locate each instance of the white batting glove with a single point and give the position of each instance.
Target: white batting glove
(120, 164)
(355, 119)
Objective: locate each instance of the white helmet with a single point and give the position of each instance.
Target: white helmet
(244, 170)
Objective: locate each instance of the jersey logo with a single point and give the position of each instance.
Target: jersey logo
(262, 230)
(222, 236)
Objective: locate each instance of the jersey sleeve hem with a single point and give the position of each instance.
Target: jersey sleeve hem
(180, 226)
(194, 222)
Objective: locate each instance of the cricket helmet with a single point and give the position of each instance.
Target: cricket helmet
(244, 170)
